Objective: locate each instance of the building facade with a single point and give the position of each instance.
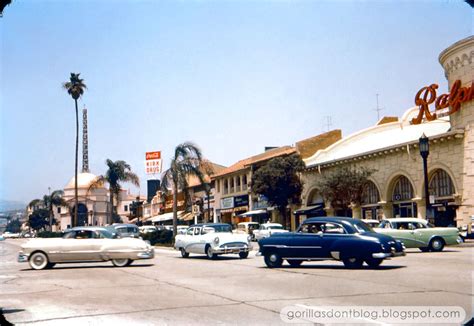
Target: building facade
(391, 149)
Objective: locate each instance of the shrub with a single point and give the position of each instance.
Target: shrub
(49, 234)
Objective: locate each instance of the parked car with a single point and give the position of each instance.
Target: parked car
(147, 229)
(248, 228)
(181, 229)
(371, 223)
(84, 244)
(11, 235)
(418, 233)
(466, 231)
(125, 230)
(267, 229)
(212, 239)
(340, 238)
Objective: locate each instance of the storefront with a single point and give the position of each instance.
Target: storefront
(391, 149)
(231, 209)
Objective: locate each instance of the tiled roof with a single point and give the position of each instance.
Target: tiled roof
(208, 169)
(243, 164)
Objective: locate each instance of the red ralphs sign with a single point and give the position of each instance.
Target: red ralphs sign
(153, 162)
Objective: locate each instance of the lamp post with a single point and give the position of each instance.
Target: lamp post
(424, 152)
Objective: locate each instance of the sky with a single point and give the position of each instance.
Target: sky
(230, 76)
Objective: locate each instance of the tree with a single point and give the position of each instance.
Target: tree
(343, 187)
(185, 163)
(39, 219)
(48, 201)
(54, 199)
(118, 171)
(13, 226)
(75, 87)
(278, 180)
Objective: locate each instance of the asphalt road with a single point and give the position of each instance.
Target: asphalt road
(229, 290)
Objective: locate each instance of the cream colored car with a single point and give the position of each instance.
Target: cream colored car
(84, 244)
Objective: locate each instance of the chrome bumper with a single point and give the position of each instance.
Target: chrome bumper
(388, 254)
(149, 254)
(231, 250)
(22, 257)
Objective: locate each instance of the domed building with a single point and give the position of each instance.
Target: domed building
(92, 204)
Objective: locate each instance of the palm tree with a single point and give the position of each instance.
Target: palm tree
(75, 87)
(118, 171)
(185, 163)
(54, 199)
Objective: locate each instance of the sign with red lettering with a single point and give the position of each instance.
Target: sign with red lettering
(445, 104)
(153, 162)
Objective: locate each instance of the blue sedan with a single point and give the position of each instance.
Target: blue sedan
(341, 238)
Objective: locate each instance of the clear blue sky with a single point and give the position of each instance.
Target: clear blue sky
(231, 76)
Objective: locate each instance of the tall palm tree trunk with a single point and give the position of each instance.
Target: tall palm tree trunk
(111, 212)
(175, 209)
(75, 170)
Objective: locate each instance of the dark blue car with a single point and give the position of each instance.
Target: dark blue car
(341, 238)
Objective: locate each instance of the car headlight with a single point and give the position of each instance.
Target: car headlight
(216, 240)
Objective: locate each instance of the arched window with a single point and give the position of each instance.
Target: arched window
(315, 198)
(371, 194)
(441, 184)
(403, 190)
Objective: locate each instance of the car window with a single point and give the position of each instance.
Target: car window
(69, 235)
(384, 225)
(207, 230)
(333, 228)
(402, 226)
(310, 228)
(197, 231)
(362, 227)
(84, 234)
(221, 228)
(190, 231)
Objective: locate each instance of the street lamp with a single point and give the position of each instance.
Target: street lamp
(424, 152)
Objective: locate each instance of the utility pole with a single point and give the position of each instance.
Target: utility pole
(328, 123)
(378, 109)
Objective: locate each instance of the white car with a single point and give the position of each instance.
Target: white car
(84, 244)
(371, 223)
(212, 239)
(10, 235)
(148, 229)
(267, 229)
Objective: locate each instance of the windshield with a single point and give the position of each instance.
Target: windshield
(276, 227)
(362, 227)
(220, 228)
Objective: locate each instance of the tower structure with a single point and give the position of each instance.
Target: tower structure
(85, 142)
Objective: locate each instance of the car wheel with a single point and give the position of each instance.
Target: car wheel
(184, 254)
(374, 262)
(122, 262)
(424, 249)
(209, 253)
(295, 262)
(273, 259)
(38, 260)
(436, 244)
(243, 254)
(352, 262)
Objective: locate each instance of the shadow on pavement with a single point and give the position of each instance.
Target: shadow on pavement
(86, 267)
(340, 267)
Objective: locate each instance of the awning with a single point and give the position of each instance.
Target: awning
(164, 217)
(255, 212)
(187, 217)
(310, 210)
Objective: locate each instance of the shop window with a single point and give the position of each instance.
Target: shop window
(370, 194)
(403, 190)
(441, 184)
(125, 208)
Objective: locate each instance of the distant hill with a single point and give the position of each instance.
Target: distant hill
(10, 205)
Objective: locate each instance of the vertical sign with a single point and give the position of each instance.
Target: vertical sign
(153, 162)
